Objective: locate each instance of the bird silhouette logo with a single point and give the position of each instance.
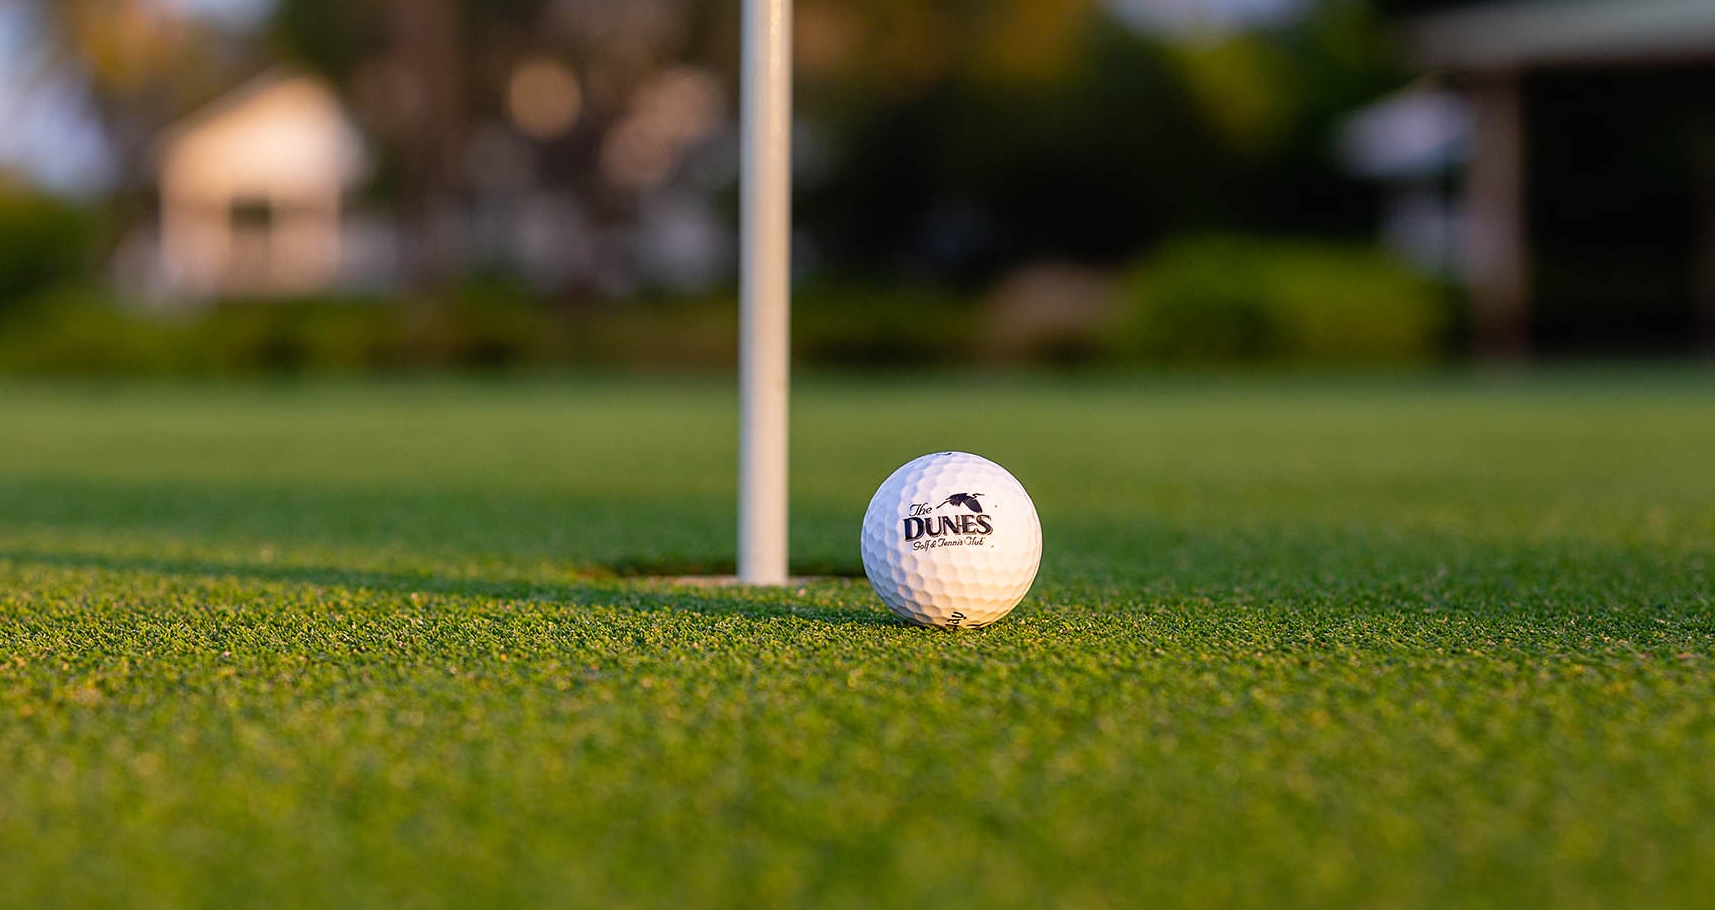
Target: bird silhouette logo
(968, 500)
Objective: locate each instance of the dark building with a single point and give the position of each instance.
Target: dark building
(1590, 186)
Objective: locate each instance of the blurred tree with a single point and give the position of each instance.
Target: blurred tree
(438, 81)
(404, 63)
(142, 63)
(43, 242)
(940, 137)
(971, 137)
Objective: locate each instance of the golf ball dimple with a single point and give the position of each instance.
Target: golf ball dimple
(951, 540)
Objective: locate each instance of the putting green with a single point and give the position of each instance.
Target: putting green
(1389, 642)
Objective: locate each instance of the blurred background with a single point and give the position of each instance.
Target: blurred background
(246, 186)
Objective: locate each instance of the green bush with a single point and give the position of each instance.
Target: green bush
(1221, 298)
(82, 332)
(43, 242)
(852, 325)
(1208, 300)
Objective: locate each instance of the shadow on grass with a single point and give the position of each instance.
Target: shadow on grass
(609, 530)
(644, 587)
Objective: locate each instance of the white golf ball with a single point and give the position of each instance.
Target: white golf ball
(951, 540)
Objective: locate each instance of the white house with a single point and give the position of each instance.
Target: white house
(253, 190)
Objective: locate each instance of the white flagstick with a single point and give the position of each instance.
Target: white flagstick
(765, 276)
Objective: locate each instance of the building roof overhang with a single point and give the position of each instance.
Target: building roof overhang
(1556, 33)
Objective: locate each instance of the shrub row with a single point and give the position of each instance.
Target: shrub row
(1210, 300)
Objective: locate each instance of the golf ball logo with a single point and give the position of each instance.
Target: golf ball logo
(951, 540)
(924, 522)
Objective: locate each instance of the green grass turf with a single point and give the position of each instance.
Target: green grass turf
(1432, 642)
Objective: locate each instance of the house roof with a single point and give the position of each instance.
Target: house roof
(229, 101)
(1533, 33)
(280, 134)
